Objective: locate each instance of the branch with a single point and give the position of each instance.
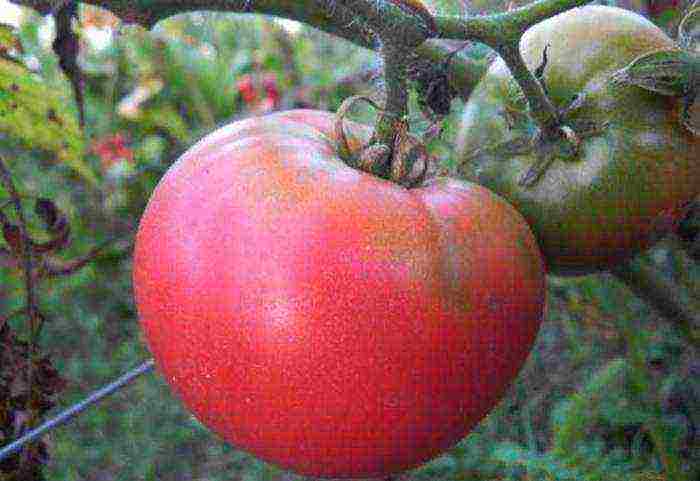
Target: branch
(396, 104)
(492, 28)
(665, 296)
(400, 22)
(147, 13)
(54, 268)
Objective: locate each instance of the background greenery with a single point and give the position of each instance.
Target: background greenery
(605, 367)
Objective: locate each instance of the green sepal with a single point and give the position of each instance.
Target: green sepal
(671, 72)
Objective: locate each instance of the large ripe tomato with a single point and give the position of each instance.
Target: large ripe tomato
(629, 183)
(323, 319)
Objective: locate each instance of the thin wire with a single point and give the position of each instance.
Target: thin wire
(73, 411)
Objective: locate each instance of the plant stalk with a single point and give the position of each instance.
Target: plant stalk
(666, 297)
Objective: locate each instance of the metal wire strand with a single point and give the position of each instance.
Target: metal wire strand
(65, 416)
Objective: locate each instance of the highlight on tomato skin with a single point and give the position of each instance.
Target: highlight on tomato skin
(638, 167)
(327, 321)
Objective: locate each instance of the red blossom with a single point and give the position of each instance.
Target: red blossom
(112, 149)
(260, 93)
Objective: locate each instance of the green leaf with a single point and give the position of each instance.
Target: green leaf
(38, 117)
(575, 414)
(164, 117)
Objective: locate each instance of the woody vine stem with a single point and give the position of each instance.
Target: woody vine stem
(390, 25)
(398, 30)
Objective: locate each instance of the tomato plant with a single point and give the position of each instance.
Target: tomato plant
(328, 321)
(636, 167)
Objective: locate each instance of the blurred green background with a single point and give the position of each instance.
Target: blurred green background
(605, 367)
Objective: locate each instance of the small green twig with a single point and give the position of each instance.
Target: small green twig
(52, 268)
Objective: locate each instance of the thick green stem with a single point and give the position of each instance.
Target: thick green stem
(351, 19)
(668, 298)
(395, 77)
(396, 105)
(394, 20)
(542, 110)
(357, 21)
(490, 28)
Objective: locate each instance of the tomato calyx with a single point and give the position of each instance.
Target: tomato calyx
(668, 72)
(561, 141)
(406, 162)
(672, 72)
(546, 147)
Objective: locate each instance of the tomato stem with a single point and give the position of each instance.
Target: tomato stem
(665, 296)
(503, 32)
(396, 105)
(406, 24)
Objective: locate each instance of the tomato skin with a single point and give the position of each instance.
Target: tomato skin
(630, 184)
(328, 321)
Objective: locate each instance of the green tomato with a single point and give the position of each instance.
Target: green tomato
(636, 167)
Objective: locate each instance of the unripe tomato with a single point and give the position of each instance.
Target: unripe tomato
(325, 320)
(629, 183)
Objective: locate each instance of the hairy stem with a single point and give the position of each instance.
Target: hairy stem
(359, 21)
(396, 106)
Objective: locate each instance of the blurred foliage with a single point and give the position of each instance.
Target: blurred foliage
(32, 113)
(605, 370)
